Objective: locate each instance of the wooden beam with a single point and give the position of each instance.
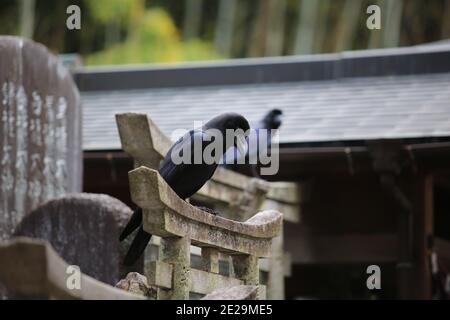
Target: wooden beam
(423, 233)
(334, 249)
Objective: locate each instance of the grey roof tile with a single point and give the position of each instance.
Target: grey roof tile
(411, 106)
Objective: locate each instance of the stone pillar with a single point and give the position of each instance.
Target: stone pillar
(210, 260)
(246, 268)
(275, 281)
(177, 252)
(40, 130)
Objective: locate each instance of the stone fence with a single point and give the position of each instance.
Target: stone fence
(31, 268)
(180, 224)
(235, 196)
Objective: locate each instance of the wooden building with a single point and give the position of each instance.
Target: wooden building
(366, 133)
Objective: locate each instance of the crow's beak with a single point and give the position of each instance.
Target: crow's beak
(241, 144)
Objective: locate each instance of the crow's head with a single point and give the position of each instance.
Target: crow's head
(231, 122)
(272, 119)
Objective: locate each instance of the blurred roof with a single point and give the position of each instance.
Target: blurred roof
(351, 96)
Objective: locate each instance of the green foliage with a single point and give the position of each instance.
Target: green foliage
(155, 40)
(107, 10)
(136, 31)
(197, 49)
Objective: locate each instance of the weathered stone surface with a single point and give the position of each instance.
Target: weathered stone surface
(84, 230)
(150, 191)
(40, 130)
(179, 224)
(142, 139)
(165, 215)
(210, 260)
(275, 281)
(241, 292)
(160, 275)
(136, 283)
(246, 268)
(176, 251)
(31, 268)
(197, 257)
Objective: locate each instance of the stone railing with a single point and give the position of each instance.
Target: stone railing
(31, 268)
(180, 225)
(234, 195)
(229, 191)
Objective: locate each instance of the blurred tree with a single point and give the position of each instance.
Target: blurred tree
(375, 35)
(225, 27)
(423, 21)
(152, 38)
(242, 31)
(155, 39)
(323, 19)
(276, 21)
(192, 19)
(50, 25)
(393, 19)
(112, 13)
(27, 18)
(446, 20)
(307, 17)
(236, 28)
(107, 10)
(8, 11)
(257, 41)
(348, 24)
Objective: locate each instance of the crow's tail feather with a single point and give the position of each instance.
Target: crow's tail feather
(137, 247)
(134, 222)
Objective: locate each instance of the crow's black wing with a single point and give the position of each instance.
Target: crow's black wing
(186, 178)
(134, 222)
(137, 247)
(136, 219)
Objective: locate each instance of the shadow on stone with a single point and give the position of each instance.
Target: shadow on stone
(84, 230)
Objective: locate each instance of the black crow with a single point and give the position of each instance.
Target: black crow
(187, 178)
(270, 121)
